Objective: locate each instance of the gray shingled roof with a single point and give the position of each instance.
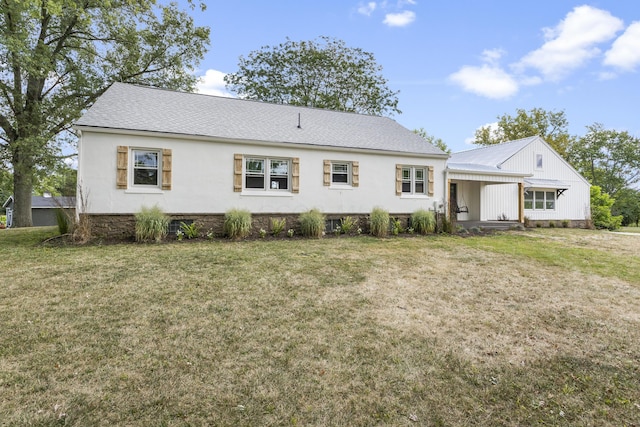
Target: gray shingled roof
(139, 108)
(41, 202)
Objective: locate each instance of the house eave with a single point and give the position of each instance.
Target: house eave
(283, 144)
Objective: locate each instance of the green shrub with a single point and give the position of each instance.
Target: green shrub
(552, 224)
(237, 223)
(423, 221)
(379, 222)
(277, 225)
(601, 210)
(312, 223)
(62, 219)
(527, 222)
(396, 226)
(348, 224)
(191, 230)
(565, 223)
(151, 224)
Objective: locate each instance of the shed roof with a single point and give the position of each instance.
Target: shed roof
(41, 202)
(138, 108)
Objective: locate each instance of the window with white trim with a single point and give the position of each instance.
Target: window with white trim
(539, 200)
(269, 174)
(146, 167)
(414, 180)
(341, 173)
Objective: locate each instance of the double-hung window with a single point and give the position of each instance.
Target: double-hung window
(340, 173)
(414, 180)
(540, 200)
(262, 173)
(146, 167)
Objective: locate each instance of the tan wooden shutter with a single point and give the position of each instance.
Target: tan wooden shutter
(398, 180)
(355, 174)
(122, 164)
(326, 180)
(166, 168)
(431, 183)
(237, 173)
(295, 175)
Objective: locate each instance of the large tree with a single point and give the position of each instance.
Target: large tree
(58, 56)
(550, 125)
(608, 158)
(436, 142)
(322, 73)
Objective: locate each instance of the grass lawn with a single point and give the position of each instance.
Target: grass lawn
(630, 229)
(524, 328)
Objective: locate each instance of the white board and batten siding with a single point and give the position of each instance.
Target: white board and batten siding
(572, 204)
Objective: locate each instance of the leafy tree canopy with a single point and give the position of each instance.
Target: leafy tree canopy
(608, 158)
(601, 204)
(549, 125)
(322, 73)
(627, 204)
(437, 142)
(58, 56)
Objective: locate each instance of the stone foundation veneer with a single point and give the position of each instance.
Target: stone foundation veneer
(122, 226)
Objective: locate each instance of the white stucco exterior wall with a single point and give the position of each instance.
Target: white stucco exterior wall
(203, 174)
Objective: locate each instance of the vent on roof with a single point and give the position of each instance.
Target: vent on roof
(299, 127)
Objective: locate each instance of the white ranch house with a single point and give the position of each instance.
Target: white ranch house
(198, 156)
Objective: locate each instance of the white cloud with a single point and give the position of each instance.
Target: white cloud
(212, 83)
(493, 129)
(401, 19)
(487, 80)
(572, 42)
(367, 9)
(625, 51)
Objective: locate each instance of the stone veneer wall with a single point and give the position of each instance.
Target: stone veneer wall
(122, 226)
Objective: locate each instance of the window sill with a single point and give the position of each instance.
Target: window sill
(142, 190)
(267, 193)
(341, 187)
(414, 196)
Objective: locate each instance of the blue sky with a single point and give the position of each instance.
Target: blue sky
(459, 64)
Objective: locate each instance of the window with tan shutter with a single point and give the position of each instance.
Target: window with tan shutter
(341, 173)
(257, 173)
(414, 180)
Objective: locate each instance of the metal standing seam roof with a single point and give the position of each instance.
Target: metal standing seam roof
(489, 159)
(130, 107)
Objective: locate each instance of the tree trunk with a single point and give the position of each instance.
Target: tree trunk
(22, 189)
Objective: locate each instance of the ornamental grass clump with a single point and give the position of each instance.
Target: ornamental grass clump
(379, 222)
(277, 226)
(312, 223)
(423, 221)
(151, 224)
(237, 223)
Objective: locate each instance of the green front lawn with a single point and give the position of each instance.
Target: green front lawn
(525, 328)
